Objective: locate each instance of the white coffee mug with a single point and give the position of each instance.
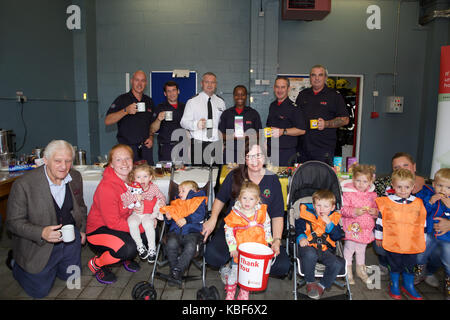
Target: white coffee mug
(168, 115)
(67, 233)
(140, 106)
(209, 123)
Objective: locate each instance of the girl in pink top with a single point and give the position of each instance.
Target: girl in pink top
(359, 212)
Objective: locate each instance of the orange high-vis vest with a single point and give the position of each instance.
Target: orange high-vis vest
(179, 209)
(318, 225)
(250, 229)
(403, 225)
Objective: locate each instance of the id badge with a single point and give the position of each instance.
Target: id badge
(239, 126)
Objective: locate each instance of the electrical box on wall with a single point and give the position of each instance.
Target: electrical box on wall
(305, 9)
(394, 104)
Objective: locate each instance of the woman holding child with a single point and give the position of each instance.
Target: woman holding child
(107, 230)
(217, 253)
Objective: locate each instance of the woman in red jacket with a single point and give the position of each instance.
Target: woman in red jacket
(108, 234)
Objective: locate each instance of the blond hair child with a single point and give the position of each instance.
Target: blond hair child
(146, 214)
(359, 212)
(400, 231)
(248, 221)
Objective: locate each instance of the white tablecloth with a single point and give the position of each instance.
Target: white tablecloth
(93, 174)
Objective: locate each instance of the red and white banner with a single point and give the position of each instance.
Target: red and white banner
(441, 154)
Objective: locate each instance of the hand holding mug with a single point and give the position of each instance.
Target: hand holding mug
(51, 233)
(276, 132)
(201, 123)
(131, 109)
(320, 124)
(161, 116)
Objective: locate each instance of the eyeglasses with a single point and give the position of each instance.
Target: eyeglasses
(254, 156)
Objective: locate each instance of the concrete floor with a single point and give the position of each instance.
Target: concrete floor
(91, 289)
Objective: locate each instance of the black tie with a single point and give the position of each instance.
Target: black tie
(209, 131)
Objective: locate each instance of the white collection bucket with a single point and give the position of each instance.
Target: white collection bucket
(254, 265)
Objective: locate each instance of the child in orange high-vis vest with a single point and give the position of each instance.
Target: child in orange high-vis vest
(248, 221)
(400, 230)
(317, 231)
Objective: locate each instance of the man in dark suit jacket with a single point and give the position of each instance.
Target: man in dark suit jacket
(40, 203)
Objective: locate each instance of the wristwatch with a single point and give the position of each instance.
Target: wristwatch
(285, 132)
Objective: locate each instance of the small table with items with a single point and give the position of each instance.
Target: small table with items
(6, 181)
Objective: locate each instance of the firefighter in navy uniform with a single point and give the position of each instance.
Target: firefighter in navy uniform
(165, 127)
(237, 116)
(286, 121)
(133, 127)
(326, 107)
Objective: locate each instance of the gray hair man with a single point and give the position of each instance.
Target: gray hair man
(41, 202)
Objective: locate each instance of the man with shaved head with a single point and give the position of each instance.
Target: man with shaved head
(133, 123)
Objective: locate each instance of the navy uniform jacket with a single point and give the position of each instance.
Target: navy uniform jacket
(252, 120)
(271, 193)
(327, 104)
(133, 129)
(167, 127)
(284, 116)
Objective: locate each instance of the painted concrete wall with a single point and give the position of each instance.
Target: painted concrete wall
(41, 57)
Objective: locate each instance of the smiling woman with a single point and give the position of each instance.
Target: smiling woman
(108, 234)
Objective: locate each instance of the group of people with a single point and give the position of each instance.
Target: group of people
(407, 222)
(127, 204)
(306, 127)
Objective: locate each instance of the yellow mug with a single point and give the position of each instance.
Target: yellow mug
(268, 132)
(314, 123)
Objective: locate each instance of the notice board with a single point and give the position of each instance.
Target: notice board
(187, 86)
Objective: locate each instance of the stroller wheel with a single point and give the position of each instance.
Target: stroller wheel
(214, 293)
(138, 287)
(202, 294)
(206, 293)
(143, 291)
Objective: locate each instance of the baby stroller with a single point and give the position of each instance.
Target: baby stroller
(308, 178)
(145, 290)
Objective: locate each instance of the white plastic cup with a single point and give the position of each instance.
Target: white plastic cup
(209, 123)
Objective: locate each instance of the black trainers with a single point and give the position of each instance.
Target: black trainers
(131, 266)
(175, 277)
(105, 275)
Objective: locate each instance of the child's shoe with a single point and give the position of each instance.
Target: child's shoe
(408, 286)
(231, 291)
(243, 294)
(361, 272)
(176, 277)
(314, 290)
(142, 252)
(350, 274)
(394, 287)
(151, 256)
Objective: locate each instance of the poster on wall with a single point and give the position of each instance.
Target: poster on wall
(441, 153)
